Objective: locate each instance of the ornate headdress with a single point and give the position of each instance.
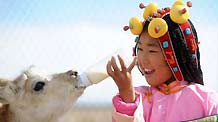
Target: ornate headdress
(158, 28)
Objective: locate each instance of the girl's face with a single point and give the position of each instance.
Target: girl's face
(151, 61)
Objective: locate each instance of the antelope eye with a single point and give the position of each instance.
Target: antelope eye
(39, 86)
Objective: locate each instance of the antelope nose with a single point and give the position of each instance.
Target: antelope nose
(72, 73)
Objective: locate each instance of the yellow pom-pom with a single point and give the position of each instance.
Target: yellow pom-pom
(135, 26)
(178, 2)
(157, 27)
(179, 14)
(149, 10)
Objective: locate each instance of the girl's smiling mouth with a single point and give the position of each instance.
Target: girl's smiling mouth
(149, 71)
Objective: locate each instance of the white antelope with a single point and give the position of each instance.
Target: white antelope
(35, 96)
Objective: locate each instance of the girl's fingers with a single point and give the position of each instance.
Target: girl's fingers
(131, 66)
(122, 63)
(109, 69)
(114, 64)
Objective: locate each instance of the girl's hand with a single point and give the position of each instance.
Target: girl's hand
(122, 78)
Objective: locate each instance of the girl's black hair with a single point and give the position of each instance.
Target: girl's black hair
(191, 71)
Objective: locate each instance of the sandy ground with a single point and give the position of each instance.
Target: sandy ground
(88, 114)
(91, 113)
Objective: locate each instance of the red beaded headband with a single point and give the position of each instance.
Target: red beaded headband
(158, 28)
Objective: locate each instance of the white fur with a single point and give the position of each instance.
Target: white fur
(48, 105)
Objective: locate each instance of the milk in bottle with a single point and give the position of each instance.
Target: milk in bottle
(97, 72)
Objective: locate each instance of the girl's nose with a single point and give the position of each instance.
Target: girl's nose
(145, 60)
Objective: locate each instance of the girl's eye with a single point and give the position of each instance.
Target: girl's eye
(139, 49)
(152, 51)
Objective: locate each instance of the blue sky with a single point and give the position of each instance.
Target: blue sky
(58, 35)
(101, 12)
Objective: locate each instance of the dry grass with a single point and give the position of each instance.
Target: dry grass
(4, 113)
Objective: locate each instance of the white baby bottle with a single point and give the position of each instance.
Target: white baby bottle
(97, 72)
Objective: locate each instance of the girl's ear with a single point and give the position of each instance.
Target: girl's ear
(3, 83)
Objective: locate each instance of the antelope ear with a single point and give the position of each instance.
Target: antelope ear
(3, 83)
(8, 88)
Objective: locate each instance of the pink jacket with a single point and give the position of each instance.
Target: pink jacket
(175, 102)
